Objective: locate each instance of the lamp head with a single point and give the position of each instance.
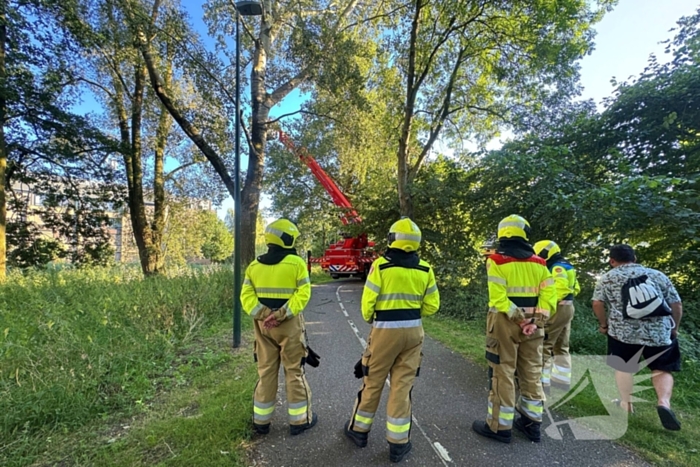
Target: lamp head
(249, 7)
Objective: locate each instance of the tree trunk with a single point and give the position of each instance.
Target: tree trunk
(137, 205)
(250, 196)
(404, 183)
(3, 146)
(158, 225)
(131, 140)
(404, 178)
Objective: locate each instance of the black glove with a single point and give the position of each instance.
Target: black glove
(358, 369)
(312, 358)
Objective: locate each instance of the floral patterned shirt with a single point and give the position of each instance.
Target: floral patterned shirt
(655, 332)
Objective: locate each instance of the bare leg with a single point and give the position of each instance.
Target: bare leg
(663, 385)
(624, 386)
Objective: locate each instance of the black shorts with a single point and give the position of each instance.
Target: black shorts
(623, 357)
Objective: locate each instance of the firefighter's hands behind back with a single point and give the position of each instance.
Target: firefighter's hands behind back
(277, 316)
(528, 326)
(263, 314)
(270, 322)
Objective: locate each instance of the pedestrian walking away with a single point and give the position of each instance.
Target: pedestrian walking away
(556, 366)
(400, 290)
(275, 291)
(522, 297)
(644, 313)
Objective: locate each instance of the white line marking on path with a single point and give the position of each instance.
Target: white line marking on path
(437, 447)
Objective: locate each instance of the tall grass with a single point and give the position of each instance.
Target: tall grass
(77, 345)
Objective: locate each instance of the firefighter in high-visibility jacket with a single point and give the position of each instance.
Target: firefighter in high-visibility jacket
(556, 368)
(521, 300)
(400, 290)
(275, 291)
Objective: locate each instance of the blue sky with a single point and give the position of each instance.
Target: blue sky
(625, 39)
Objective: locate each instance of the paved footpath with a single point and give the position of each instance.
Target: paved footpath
(450, 393)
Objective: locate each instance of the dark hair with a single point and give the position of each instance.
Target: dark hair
(622, 254)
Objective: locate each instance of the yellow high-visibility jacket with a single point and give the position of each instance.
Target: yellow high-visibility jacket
(565, 280)
(520, 283)
(408, 292)
(283, 285)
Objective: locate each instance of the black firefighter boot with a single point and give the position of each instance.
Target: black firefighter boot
(529, 428)
(398, 451)
(261, 429)
(298, 429)
(482, 428)
(360, 439)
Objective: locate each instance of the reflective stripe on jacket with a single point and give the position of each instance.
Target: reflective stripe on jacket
(282, 285)
(565, 280)
(520, 283)
(406, 292)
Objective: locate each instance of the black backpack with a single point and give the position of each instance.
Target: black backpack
(640, 299)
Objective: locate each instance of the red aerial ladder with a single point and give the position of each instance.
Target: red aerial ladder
(351, 256)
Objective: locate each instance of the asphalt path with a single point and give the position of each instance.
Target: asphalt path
(450, 393)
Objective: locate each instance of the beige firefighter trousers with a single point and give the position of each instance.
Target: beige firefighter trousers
(395, 352)
(509, 350)
(556, 368)
(284, 344)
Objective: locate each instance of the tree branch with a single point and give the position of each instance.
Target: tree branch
(444, 113)
(372, 18)
(281, 92)
(190, 130)
(170, 174)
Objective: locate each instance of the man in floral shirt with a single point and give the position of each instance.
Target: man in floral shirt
(653, 337)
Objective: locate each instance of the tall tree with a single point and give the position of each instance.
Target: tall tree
(44, 139)
(117, 74)
(471, 67)
(293, 44)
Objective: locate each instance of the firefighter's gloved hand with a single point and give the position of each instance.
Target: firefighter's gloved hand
(312, 358)
(358, 369)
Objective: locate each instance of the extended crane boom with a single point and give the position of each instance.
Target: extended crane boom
(351, 256)
(350, 216)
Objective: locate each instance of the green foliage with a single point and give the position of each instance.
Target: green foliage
(591, 180)
(51, 150)
(218, 241)
(76, 345)
(30, 249)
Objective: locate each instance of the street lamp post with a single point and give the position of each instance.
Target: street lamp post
(245, 8)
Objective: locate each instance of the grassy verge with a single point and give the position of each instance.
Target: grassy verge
(103, 367)
(203, 421)
(645, 434)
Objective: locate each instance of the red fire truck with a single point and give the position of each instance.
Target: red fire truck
(351, 256)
